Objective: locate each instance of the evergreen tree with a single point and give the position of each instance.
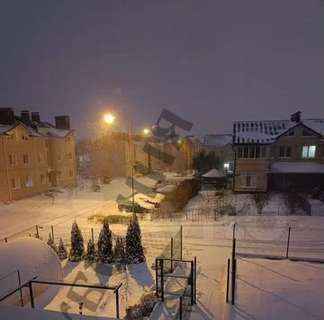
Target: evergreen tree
(91, 251)
(61, 251)
(77, 246)
(51, 243)
(134, 248)
(119, 250)
(105, 252)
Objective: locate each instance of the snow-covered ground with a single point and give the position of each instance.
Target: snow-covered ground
(266, 289)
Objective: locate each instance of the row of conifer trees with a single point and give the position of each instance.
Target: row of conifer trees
(122, 250)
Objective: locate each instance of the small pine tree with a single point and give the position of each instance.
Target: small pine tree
(51, 243)
(119, 250)
(91, 251)
(77, 246)
(61, 251)
(105, 252)
(134, 248)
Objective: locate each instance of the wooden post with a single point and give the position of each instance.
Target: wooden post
(234, 230)
(227, 279)
(288, 243)
(6, 239)
(234, 249)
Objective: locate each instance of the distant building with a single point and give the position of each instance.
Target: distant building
(34, 155)
(279, 154)
(221, 145)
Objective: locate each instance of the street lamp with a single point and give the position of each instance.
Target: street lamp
(147, 134)
(109, 118)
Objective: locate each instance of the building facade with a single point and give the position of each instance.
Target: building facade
(278, 155)
(34, 156)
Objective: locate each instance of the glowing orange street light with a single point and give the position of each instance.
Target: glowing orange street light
(109, 118)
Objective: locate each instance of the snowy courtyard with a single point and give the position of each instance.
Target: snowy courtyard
(266, 288)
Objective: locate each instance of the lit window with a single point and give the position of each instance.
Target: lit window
(308, 152)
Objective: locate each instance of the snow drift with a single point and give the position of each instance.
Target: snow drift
(32, 257)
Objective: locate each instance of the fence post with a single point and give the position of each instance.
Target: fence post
(52, 229)
(234, 230)
(31, 294)
(233, 280)
(192, 282)
(288, 243)
(162, 280)
(117, 303)
(195, 279)
(181, 242)
(233, 249)
(180, 308)
(227, 279)
(156, 277)
(171, 255)
(20, 291)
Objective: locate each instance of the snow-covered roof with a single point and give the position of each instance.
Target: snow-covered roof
(297, 167)
(47, 129)
(5, 128)
(266, 132)
(214, 173)
(217, 140)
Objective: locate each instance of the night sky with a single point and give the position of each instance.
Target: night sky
(210, 62)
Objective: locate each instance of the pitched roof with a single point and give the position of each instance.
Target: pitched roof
(214, 173)
(266, 132)
(217, 140)
(46, 129)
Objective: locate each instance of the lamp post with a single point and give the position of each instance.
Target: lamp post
(109, 119)
(147, 134)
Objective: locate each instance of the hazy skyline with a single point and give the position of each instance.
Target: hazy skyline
(210, 62)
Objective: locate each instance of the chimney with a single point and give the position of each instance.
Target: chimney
(296, 117)
(7, 116)
(62, 122)
(35, 117)
(24, 116)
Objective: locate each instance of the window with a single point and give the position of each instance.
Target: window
(69, 155)
(40, 157)
(15, 183)
(248, 180)
(308, 152)
(71, 173)
(291, 133)
(284, 151)
(12, 159)
(25, 158)
(29, 181)
(59, 157)
(251, 152)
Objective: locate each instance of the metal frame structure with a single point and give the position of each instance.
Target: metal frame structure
(29, 285)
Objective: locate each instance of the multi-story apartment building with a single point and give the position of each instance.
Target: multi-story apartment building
(34, 155)
(278, 155)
